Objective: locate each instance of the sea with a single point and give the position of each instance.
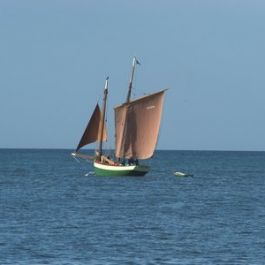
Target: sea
(54, 210)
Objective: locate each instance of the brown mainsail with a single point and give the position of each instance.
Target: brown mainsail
(93, 130)
(137, 126)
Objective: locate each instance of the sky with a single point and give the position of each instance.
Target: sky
(56, 54)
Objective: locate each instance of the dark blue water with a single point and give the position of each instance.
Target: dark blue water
(53, 212)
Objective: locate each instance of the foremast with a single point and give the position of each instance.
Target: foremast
(102, 122)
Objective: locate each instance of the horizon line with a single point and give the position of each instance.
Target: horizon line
(160, 149)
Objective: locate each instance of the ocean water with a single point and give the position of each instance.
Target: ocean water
(54, 211)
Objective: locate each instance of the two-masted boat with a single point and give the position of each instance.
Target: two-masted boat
(137, 124)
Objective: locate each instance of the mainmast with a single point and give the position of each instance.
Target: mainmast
(102, 122)
(135, 61)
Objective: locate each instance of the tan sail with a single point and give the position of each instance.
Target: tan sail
(137, 126)
(93, 129)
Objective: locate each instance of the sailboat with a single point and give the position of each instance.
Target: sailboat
(137, 123)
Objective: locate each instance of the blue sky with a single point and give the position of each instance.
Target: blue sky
(55, 55)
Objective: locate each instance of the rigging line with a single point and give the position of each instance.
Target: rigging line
(77, 160)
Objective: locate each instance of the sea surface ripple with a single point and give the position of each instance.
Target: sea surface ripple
(54, 211)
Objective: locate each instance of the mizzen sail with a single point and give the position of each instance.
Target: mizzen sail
(137, 126)
(93, 129)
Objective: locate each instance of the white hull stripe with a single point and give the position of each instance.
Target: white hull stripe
(121, 168)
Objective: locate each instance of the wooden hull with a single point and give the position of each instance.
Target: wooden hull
(119, 170)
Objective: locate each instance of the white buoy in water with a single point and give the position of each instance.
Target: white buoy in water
(181, 174)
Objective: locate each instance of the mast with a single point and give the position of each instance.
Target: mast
(103, 117)
(135, 61)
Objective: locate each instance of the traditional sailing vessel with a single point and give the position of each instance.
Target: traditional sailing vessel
(137, 124)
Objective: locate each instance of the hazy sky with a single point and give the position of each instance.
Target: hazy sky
(55, 55)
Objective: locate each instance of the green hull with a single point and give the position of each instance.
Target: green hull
(107, 170)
